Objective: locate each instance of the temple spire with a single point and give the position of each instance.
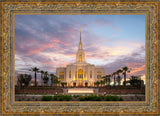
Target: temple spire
(80, 43)
(80, 34)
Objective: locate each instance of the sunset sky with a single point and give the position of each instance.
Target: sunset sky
(50, 41)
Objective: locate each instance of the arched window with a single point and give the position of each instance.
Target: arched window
(76, 75)
(69, 74)
(61, 75)
(85, 76)
(80, 58)
(99, 74)
(90, 74)
(80, 73)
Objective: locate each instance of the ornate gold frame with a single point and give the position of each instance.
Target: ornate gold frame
(10, 106)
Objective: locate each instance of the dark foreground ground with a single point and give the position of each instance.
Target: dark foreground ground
(36, 93)
(125, 97)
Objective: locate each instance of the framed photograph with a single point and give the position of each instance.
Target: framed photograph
(79, 57)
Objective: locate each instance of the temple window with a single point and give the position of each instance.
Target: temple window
(90, 74)
(99, 74)
(80, 58)
(76, 75)
(69, 74)
(85, 75)
(80, 73)
(61, 75)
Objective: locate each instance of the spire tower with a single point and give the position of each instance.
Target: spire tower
(80, 56)
(80, 43)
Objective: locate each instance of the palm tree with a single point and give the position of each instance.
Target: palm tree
(35, 70)
(46, 73)
(104, 79)
(95, 83)
(109, 79)
(26, 78)
(42, 72)
(125, 70)
(119, 77)
(135, 81)
(114, 75)
(20, 80)
(52, 78)
(45, 79)
(101, 82)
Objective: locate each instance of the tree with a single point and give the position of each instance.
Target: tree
(45, 78)
(24, 79)
(63, 84)
(20, 80)
(95, 83)
(98, 83)
(125, 70)
(42, 72)
(104, 79)
(107, 79)
(114, 75)
(54, 79)
(135, 81)
(101, 82)
(35, 70)
(119, 77)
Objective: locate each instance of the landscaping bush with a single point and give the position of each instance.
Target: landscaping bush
(67, 97)
(90, 98)
(112, 98)
(46, 98)
(120, 99)
(99, 98)
(115, 98)
(82, 98)
(76, 96)
(62, 97)
(108, 98)
(55, 97)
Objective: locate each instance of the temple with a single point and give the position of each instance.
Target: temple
(80, 73)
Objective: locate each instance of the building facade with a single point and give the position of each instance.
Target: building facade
(80, 73)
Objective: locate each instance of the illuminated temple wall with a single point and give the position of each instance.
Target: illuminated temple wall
(80, 72)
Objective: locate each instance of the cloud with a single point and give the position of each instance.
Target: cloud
(134, 61)
(52, 41)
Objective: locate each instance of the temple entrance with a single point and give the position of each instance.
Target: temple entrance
(80, 83)
(86, 84)
(74, 84)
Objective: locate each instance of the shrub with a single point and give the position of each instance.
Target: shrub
(68, 98)
(82, 98)
(112, 98)
(46, 98)
(65, 97)
(99, 98)
(61, 98)
(120, 99)
(90, 98)
(75, 96)
(55, 97)
(108, 98)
